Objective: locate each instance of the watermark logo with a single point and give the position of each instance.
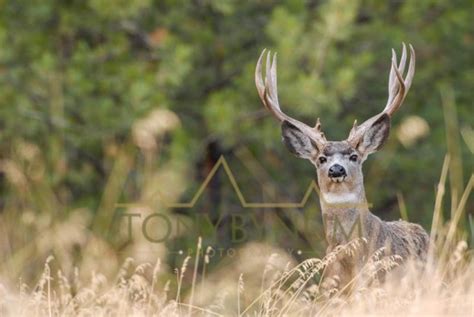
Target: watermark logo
(239, 227)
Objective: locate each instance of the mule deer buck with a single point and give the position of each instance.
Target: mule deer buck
(339, 172)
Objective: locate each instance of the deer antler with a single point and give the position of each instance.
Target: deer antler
(397, 91)
(268, 92)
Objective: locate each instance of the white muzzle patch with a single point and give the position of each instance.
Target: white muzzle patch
(340, 198)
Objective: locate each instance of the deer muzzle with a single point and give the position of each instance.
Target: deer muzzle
(337, 173)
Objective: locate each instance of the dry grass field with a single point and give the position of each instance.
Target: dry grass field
(261, 281)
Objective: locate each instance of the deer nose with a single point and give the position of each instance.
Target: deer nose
(337, 171)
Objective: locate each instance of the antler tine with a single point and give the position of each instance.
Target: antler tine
(411, 68)
(397, 101)
(271, 95)
(403, 59)
(403, 85)
(271, 81)
(262, 86)
(259, 80)
(267, 70)
(317, 126)
(268, 91)
(393, 84)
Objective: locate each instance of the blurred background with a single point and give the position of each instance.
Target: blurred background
(116, 108)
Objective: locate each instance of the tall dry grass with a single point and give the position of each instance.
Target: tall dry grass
(278, 287)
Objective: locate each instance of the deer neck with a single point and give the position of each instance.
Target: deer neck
(342, 207)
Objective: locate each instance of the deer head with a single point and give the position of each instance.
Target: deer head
(338, 163)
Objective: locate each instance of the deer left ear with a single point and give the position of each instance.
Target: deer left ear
(297, 142)
(375, 136)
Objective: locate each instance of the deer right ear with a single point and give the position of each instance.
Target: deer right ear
(375, 136)
(297, 142)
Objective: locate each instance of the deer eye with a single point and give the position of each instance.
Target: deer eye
(322, 159)
(353, 157)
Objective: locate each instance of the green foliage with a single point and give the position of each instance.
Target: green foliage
(75, 77)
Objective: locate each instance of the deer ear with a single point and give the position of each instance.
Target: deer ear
(297, 142)
(375, 136)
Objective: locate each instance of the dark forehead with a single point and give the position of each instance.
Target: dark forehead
(341, 147)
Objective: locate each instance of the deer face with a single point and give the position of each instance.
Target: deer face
(338, 163)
